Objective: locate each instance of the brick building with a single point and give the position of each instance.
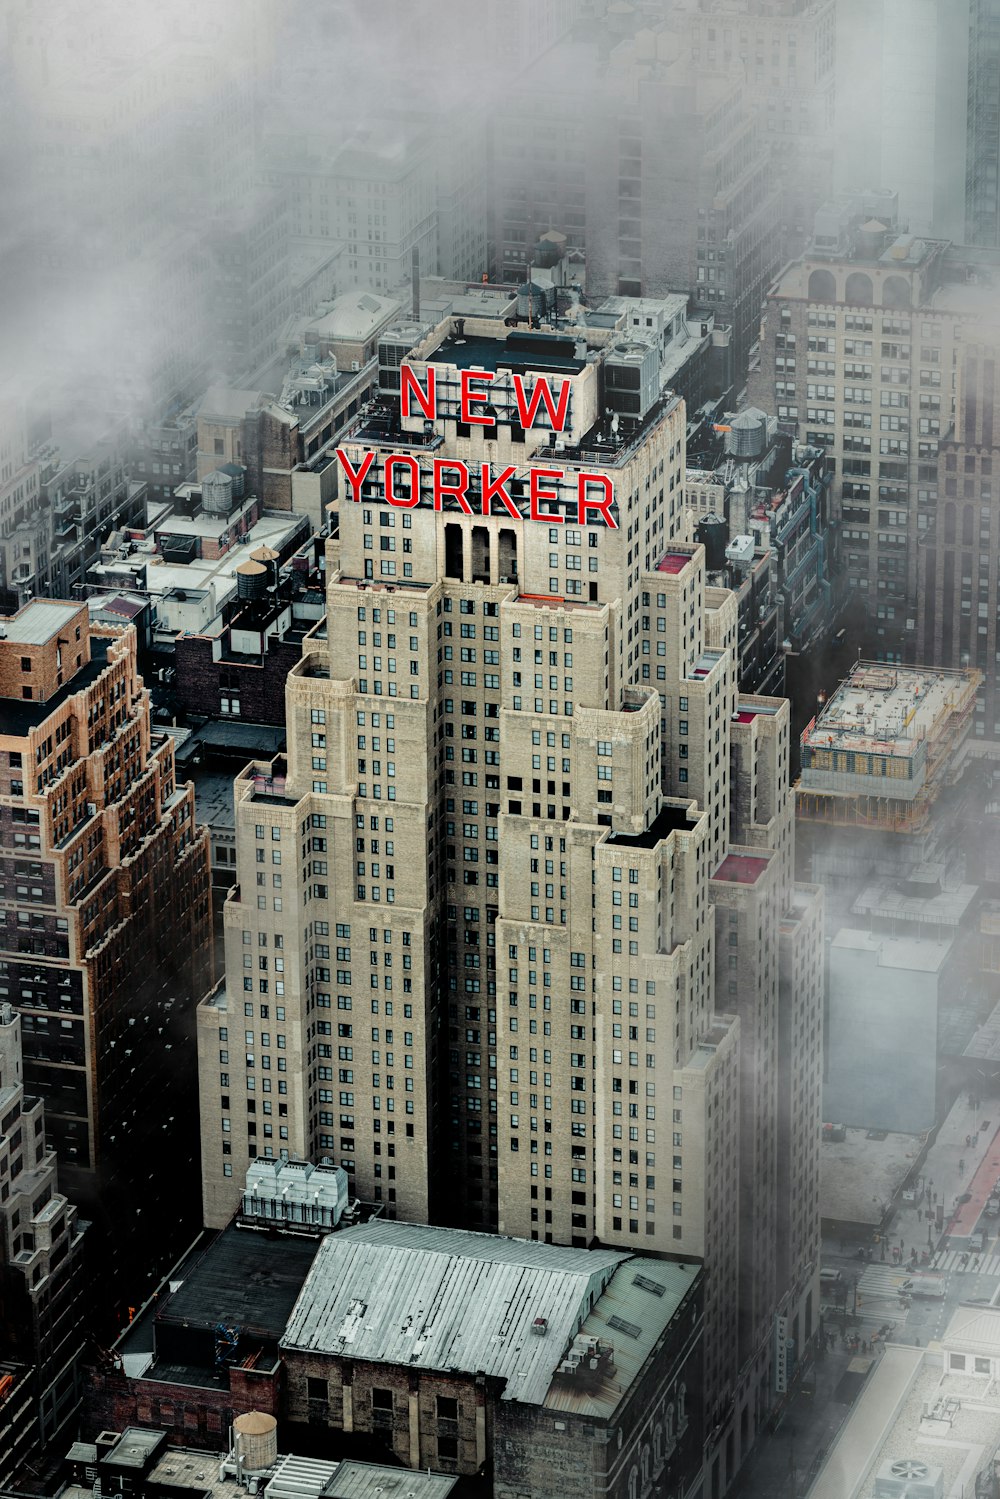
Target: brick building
(105, 932)
(566, 1371)
(239, 670)
(214, 1342)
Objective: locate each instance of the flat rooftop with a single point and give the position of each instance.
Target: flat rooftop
(887, 902)
(38, 622)
(134, 1447)
(243, 1280)
(985, 1044)
(201, 574)
(914, 1412)
(858, 1168)
(213, 799)
(742, 869)
(885, 710)
(912, 954)
(189, 1468)
(674, 815)
(519, 351)
(438, 1298)
(747, 711)
(227, 403)
(674, 562)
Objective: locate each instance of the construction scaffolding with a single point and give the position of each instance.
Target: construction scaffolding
(882, 749)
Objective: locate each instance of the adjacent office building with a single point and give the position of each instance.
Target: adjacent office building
(482, 905)
(902, 74)
(958, 604)
(784, 53)
(105, 932)
(858, 348)
(650, 162)
(41, 1262)
(982, 161)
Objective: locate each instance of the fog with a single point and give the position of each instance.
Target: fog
(136, 137)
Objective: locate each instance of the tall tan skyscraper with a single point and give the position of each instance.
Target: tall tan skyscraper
(507, 935)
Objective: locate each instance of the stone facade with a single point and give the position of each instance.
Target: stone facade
(507, 790)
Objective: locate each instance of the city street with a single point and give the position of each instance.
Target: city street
(787, 1459)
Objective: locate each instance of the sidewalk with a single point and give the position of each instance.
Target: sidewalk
(784, 1461)
(942, 1180)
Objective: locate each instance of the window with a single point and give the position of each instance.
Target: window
(381, 1399)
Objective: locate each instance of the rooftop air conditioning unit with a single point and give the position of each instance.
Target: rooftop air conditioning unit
(908, 1478)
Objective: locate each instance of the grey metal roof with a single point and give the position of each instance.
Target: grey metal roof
(38, 621)
(630, 1315)
(448, 1299)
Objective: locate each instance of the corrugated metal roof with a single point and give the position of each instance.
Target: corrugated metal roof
(629, 1301)
(448, 1299)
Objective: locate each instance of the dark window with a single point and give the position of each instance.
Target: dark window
(447, 1408)
(448, 1449)
(381, 1400)
(316, 1389)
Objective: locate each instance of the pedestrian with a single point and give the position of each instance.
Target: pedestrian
(883, 1254)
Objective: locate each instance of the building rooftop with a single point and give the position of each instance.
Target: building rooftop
(913, 1412)
(304, 1477)
(674, 562)
(518, 351)
(38, 622)
(243, 1280)
(985, 1044)
(672, 815)
(373, 1481)
(225, 403)
(742, 869)
(885, 710)
(274, 529)
(860, 1168)
(134, 1447)
(19, 717)
(913, 954)
(887, 901)
(449, 1299)
(353, 315)
(213, 799)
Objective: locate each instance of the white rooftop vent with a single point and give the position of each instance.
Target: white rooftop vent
(740, 550)
(908, 1478)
